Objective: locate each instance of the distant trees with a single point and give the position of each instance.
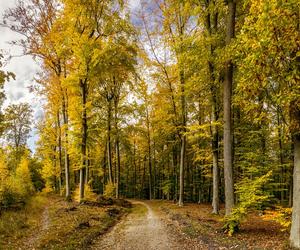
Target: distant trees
(18, 122)
(4, 76)
(16, 184)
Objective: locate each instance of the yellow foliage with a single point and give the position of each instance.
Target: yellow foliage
(88, 193)
(110, 190)
(23, 178)
(281, 215)
(4, 173)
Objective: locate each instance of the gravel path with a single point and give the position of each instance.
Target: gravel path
(141, 231)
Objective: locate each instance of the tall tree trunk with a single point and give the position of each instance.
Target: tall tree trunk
(67, 160)
(291, 176)
(109, 153)
(228, 172)
(149, 153)
(83, 85)
(59, 152)
(135, 175)
(212, 28)
(215, 151)
(295, 229)
(87, 165)
(183, 139)
(117, 146)
(281, 157)
(295, 128)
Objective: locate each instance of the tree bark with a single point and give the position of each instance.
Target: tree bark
(67, 160)
(212, 28)
(117, 146)
(83, 85)
(149, 153)
(183, 140)
(295, 229)
(295, 128)
(109, 154)
(59, 153)
(215, 151)
(228, 172)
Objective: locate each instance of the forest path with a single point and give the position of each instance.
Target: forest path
(142, 229)
(44, 225)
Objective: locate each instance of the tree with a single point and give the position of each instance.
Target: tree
(18, 120)
(228, 169)
(4, 76)
(269, 59)
(35, 20)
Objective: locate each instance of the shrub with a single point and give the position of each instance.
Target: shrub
(281, 215)
(23, 183)
(250, 196)
(110, 190)
(15, 187)
(88, 193)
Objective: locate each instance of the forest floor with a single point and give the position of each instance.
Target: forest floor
(144, 229)
(163, 225)
(198, 223)
(49, 222)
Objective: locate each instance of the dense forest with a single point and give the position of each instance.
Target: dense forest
(184, 100)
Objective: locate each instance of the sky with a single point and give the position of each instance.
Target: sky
(25, 69)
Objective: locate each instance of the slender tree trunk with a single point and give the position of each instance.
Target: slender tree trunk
(183, 140)
(117, 147)
(104, 168)
(281, 157)
(144, 176)
(87, 170)
(83, 85)
(295, 229)
(59, 153)
(135, 175)
(228, 172)
(295, 128)
(109, 154)
(212, 28)
(154, 173)
(215, 150)
(149, 154)
(291, 177)
(67, 160)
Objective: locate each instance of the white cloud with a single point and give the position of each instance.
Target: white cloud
(25, 69)
(134, 4)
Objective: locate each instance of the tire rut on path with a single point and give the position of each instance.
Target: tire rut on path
(32, 241)
(140, 232)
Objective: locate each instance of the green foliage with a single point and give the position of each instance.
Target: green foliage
(250, 195)
(166, 187)
(35, 167)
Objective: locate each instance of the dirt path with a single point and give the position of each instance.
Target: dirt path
(142, 229)
(31, 242)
